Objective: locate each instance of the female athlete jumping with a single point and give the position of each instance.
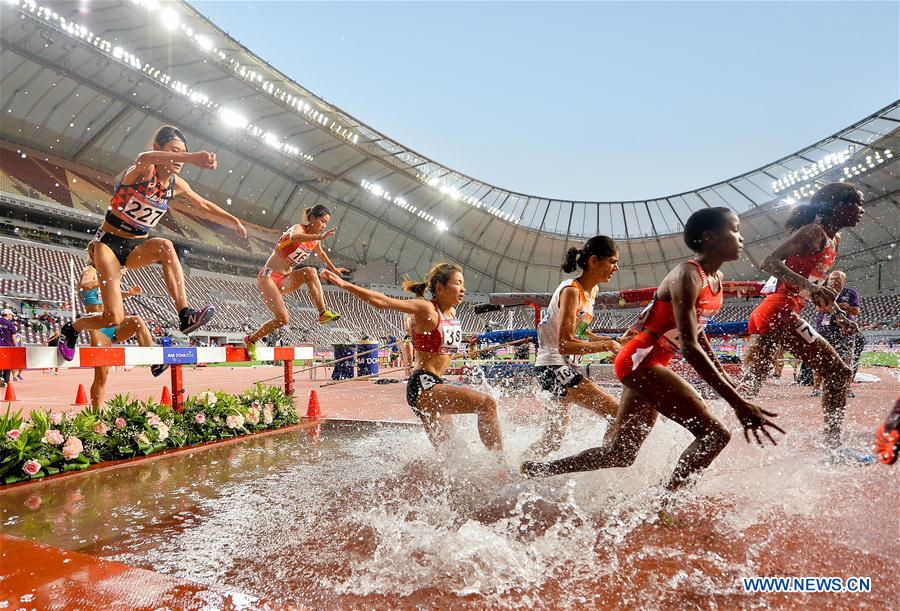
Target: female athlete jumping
(285, 273)
(141, 199)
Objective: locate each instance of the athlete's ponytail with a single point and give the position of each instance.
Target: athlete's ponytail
(317, 211)
(822, 204)
(600, 246)
(439, 274)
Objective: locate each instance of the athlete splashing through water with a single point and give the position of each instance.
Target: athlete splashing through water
(437, 334)
(564, 335)
(685, 300)
(799, 267)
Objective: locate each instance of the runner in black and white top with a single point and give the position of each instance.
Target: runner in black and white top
(564, 335)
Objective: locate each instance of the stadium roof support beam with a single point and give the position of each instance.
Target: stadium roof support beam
(99, 133)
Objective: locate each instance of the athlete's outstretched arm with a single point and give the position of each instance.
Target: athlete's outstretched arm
(183, 188)
(143, 164)
(684, 286)
(320, 252)
(416, 307)
(568, 342)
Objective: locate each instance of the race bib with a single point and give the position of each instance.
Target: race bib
(299, 256)
(143, 213)
(806, 331)
(565, 374)
(451, 331)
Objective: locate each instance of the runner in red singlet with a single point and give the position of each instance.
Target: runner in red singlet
(437, 335)
(142, 197)
(286, 272)
(685, 300)
(799, 266)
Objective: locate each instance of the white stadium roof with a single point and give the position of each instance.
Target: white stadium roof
(92, 86)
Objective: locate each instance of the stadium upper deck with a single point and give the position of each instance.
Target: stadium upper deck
(89, 83)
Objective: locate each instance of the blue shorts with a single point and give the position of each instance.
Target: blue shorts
(109, 332)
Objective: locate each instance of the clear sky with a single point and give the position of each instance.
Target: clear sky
(596, 101)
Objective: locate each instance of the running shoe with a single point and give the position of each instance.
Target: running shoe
(190, 319)
(68, 338)
(157, 370)
(251, 348)
(328, 316)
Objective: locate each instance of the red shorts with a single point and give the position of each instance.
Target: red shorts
(775, 312)
(641, 352)
(276, 277)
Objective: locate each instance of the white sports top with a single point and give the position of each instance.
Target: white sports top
(548, 330)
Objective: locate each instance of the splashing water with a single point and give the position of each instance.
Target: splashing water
(370, 514)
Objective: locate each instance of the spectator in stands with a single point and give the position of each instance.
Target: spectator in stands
(286, 272)
(7, 330)
(141, 199)
(438, 335)
(840, 336)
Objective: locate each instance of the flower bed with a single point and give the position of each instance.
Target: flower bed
(47, 443)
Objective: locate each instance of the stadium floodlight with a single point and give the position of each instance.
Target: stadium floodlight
(232, 119)
(442, 226)
(170, 18)
(203, 42)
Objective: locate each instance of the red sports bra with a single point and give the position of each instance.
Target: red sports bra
(446, 338)
(658, 318)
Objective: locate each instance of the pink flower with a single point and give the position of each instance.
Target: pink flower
(142, 438)
(31, 467)
(101, 428)
(72, 448)
(253, 416)
(56, 418)
(53, 437)
(267, 414)
(255, 404)
(120, 423)
(269, 406)
(200, 418)
(153, 420)
(163, 430)
(13, 434)
(234, 422)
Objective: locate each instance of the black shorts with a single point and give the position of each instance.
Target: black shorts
(557, 379)
(121, 247)
(420, 380)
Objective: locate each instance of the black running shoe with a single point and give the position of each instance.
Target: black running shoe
(190, 319)
(157, 370)
(68, 338)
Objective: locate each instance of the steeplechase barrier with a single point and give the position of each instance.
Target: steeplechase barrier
(42, 357)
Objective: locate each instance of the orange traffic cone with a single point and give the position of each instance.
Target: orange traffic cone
(314, 411)
(166, 398)
(11, 394)
(81, 396)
